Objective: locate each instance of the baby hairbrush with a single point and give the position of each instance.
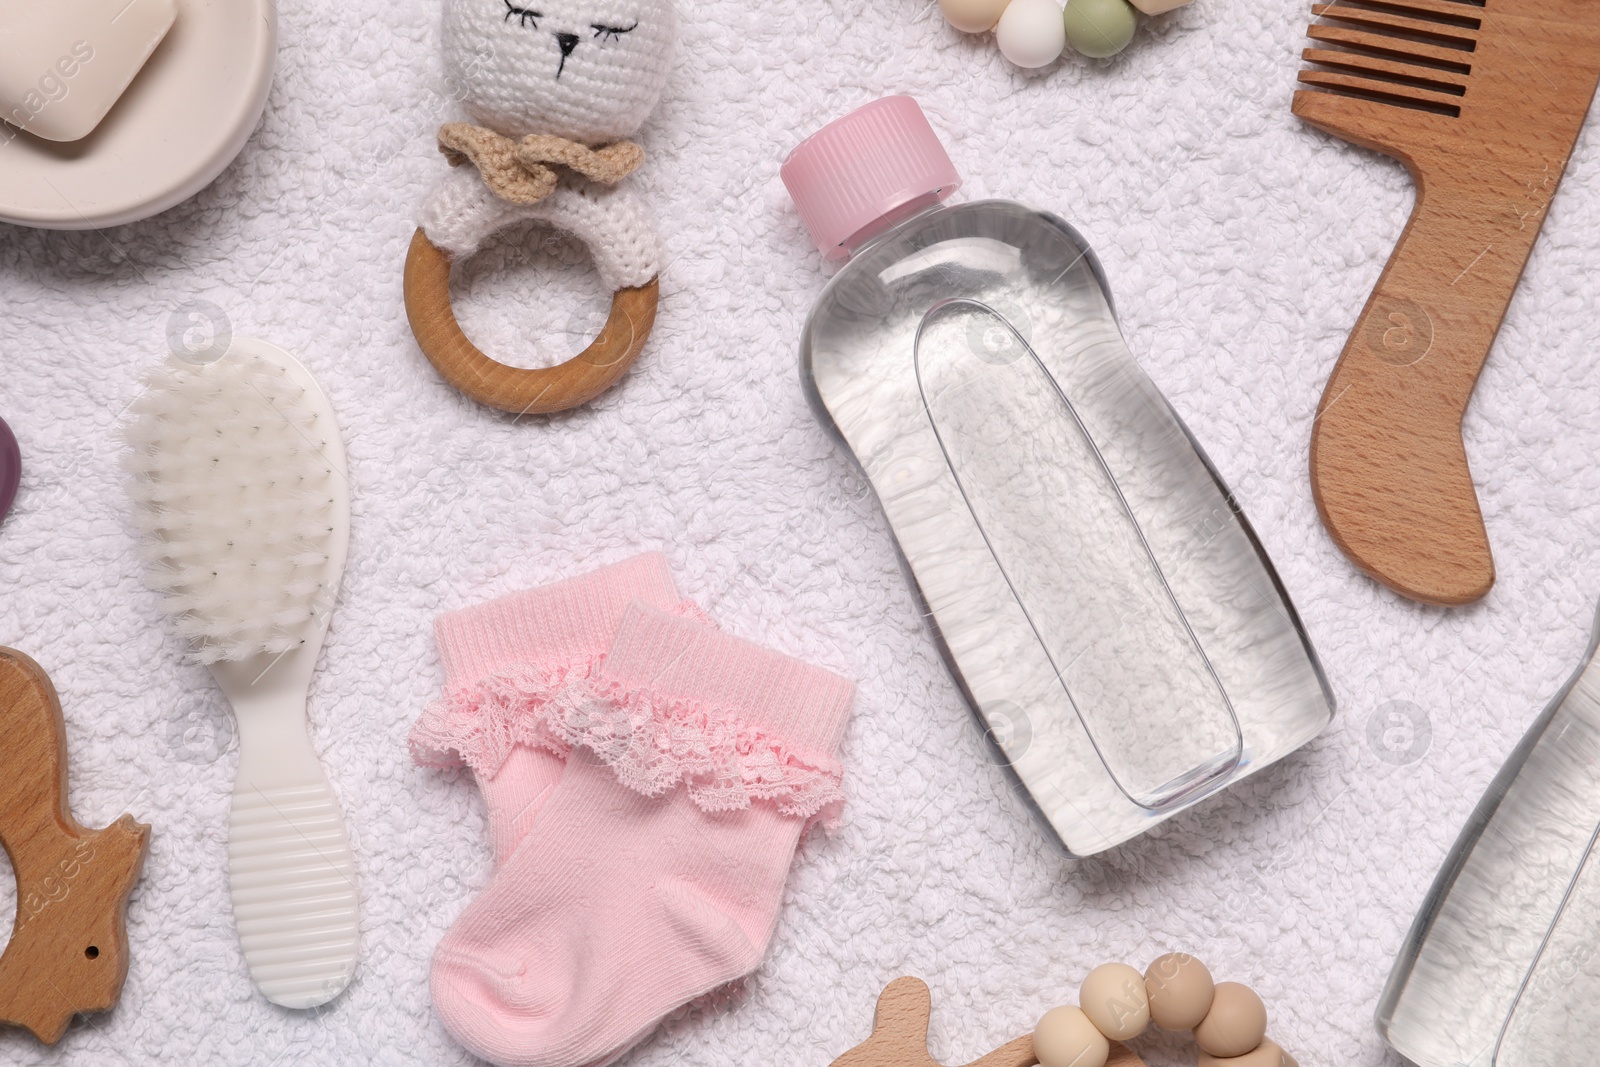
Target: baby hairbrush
(1482, 103)
(1117, 1004)
(553, 90)
(240, 487)
(68, 951)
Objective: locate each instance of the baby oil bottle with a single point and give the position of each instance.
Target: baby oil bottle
(1099, 598)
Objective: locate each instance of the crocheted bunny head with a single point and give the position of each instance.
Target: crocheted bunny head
(587, 70)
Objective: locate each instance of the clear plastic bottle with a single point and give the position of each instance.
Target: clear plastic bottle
(1502, 965)
(1099, 598)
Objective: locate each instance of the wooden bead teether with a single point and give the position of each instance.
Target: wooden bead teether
(68, 951)
(900, 1036)
(1118, 1004)
(1034, 33)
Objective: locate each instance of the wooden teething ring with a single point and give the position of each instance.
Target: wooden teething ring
(488, 381)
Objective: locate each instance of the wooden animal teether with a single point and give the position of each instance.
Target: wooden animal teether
(1116, 1004)
(1482, 103)
(68, 951)
(553, 89)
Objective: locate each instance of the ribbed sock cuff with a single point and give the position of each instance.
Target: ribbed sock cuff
(555, 624)
(804, 707)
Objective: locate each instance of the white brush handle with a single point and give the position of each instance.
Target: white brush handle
(294, 891)
(289, 863)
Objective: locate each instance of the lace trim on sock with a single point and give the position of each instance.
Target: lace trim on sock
(650, 742)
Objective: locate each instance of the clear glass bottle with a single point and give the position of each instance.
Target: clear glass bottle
(1098, 596)
(1502, 965)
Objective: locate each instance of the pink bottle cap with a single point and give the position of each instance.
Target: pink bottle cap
(861, 168)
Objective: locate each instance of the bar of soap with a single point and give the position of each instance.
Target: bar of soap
(1099, 28)
(1157, 7)
(64, 63)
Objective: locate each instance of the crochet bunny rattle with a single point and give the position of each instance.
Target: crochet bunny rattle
(553, 87)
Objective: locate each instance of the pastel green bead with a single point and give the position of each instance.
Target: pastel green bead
(1099, 28)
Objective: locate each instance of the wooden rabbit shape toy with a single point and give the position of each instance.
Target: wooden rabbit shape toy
(68, 951)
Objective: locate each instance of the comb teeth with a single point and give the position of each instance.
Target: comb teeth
(1409, 53)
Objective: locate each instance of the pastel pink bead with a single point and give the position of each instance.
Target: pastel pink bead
(1236, 1023)
(1180, 990)
(972, 16)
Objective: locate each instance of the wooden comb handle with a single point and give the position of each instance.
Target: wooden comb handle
(68, 951)
(1388, 468)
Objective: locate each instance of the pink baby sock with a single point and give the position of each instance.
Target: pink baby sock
(501, 659)
(654, 871)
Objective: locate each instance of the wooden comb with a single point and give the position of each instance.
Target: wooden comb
(68, 951)
(1482, 101)
(900, 1036)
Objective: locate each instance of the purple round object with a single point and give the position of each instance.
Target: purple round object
(10, 468)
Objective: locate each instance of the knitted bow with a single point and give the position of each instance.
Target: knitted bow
(520, 171)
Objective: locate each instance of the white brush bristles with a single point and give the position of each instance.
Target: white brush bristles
(234, 494)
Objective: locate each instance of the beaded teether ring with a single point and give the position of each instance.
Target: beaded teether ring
(554, 91)
(1034, 33)
(1117, 1004)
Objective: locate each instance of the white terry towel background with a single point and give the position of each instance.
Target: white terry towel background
(1239, 245)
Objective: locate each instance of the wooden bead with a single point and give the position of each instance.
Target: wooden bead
(1114, 999)
(1066, 1037)
(1236, 1023)
(972, 16)
(1180, 990)
(1266, 1054)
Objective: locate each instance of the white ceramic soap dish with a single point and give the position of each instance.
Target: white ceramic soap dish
(182, 118)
